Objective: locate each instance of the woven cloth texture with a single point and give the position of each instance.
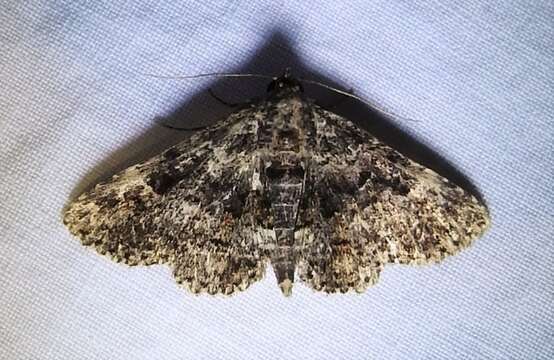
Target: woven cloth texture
(77, 104)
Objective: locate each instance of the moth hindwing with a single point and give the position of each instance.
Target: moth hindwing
(284, 182)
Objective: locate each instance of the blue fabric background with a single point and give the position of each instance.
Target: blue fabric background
(76, 106)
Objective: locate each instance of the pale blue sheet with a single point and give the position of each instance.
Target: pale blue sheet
(75, 107)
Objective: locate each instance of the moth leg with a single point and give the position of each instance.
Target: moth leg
(224, 102)
(184, 128)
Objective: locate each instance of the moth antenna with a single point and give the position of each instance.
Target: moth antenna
(215, 74)
(260, 76)
(367, 102)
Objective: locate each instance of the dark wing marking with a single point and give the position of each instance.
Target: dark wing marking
(217, 268)
(179, 207)
(370, 205)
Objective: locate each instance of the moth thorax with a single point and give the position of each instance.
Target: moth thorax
(286, 139)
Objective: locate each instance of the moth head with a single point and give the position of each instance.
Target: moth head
(284, 84)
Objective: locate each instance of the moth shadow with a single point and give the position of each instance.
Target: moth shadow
(202, 109)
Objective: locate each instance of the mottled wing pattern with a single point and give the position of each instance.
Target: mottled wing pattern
(370, 205)
(281, 181)
(197, 199)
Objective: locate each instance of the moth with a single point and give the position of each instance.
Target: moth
(284, 182)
